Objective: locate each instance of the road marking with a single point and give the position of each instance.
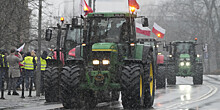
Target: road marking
(211, 92)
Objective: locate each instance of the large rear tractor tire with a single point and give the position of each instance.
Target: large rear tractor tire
(136, 88)
(160, 77)
(52, 84)
(198, 76)
(150, 90)
(131, 86)
(70, 80)
(171, 75)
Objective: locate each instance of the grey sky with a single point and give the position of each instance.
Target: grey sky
(101, 5)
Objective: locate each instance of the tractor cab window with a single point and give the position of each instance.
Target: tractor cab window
(107, 29)
(72, 39)
(184, 48)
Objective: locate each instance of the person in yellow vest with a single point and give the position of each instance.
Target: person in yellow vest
(29, 62)
(3, 67)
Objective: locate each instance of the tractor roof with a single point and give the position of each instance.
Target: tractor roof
(111, 14)
(190, 41)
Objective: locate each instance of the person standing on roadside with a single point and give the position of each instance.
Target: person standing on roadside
(29, 62)
(21, 64)
(14, 70)
(3, 67)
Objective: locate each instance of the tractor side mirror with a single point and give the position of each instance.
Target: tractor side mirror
(145, 22)
(48, 34)
(74, 22)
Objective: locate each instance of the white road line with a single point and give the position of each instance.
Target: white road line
(211, 92)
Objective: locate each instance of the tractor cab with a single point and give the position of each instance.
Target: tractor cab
(67, 37)
(183, 61)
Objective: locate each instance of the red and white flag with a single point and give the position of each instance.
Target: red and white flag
(86, 7)
(21, 48)
(133, 3)
(158, 31)
(142, 30)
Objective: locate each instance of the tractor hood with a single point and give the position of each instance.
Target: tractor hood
(111, 47)
(184, 56)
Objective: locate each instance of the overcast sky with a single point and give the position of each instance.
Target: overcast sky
(65, 8)
(101, 5)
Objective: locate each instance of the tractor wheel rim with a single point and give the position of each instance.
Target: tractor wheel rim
(140, 86)
(151, 83)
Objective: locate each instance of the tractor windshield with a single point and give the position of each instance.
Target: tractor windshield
(72, 39)
(106, 29)
(184, 48)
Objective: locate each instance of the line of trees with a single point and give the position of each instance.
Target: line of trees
(187, 19)
(14, 22)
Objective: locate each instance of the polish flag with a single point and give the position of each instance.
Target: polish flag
(21, 48)
(158, 31)
(133, 3)
(142, 30)
(86, 8)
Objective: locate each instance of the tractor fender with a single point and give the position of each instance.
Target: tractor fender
(53, 62)
(160, 59)
(73, 61)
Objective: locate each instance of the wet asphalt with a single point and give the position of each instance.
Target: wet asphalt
(182, 96)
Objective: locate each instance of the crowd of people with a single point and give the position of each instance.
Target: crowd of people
(16, 66)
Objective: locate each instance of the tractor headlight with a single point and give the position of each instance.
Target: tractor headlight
(95, 62)
(170, 56)
(187, 63)
(198, 55)
(105, 62)
(181, 63)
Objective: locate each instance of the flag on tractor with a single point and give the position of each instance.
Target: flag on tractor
(142, 30)
(85, 7)
(158, 31)
(21, 48)
(133, 3)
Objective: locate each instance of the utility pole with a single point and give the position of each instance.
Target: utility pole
(90, 3)
(73, 7)
(38, 72)
(94, 5)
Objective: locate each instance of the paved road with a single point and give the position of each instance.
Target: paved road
(183, 96)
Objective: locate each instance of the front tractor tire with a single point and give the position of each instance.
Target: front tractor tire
(135, 92)
(198, 75)
(70, 80)
(52, 84)
(160, 77)
(171, 75)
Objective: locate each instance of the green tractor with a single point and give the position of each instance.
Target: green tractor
(160, 65)
(66, 36)
(110, 60)
(183, 61)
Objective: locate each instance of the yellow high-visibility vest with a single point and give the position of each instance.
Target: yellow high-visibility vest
(3, 61)
(48, 57)
(43, 64)
(28, 63)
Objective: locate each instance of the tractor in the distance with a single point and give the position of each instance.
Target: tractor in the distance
(158, 58)
(183, 61)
